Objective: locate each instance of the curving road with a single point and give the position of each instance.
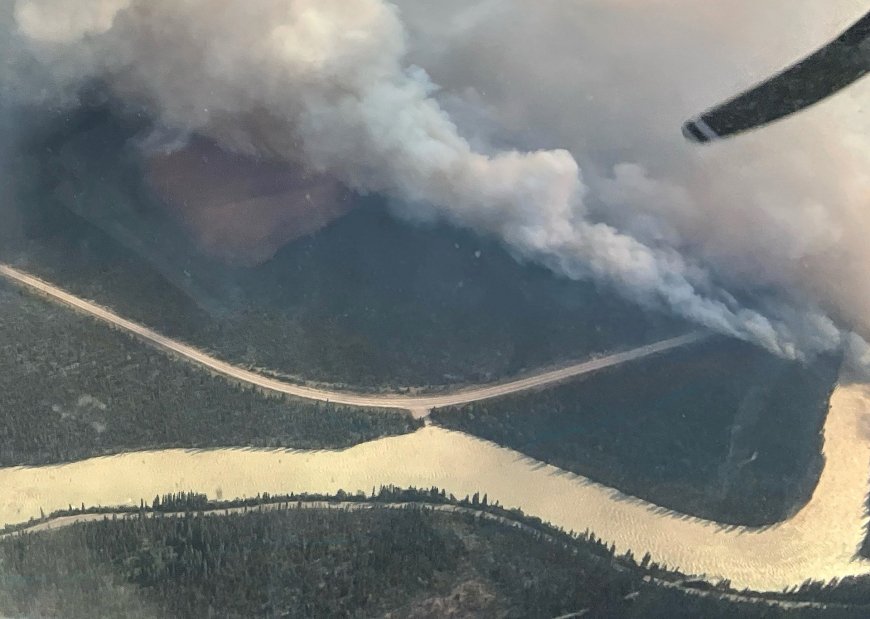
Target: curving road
(419, 406)
(819, 542)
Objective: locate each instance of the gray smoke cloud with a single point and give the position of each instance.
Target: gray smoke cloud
(554, 125)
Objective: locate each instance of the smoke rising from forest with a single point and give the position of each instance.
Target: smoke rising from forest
(552, 124)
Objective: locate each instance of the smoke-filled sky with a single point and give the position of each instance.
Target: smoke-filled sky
(554, 124)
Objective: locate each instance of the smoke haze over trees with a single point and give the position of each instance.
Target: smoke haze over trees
(553, 126)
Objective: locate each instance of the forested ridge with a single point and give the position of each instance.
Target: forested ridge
(408, 562)
(370, 302)
(720, 430)
(72, 388)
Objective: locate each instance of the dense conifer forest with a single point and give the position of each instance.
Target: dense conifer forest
(73, 388)
(720, 430)
(369, 302)
(315, 562)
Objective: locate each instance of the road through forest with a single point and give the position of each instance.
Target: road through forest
(819, 542)
(418, 405)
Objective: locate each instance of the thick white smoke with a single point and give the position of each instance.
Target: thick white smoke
(782, 213)
(331, 84)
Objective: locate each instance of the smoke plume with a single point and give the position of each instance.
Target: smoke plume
(484, 113)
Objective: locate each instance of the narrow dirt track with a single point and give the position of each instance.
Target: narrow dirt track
(419, 406)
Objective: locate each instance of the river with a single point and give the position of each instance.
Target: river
(819, 542)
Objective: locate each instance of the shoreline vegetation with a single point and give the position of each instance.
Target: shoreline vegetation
(59, 403)
(183, 537)
(172, 557)
(864, 551)
(720, 430)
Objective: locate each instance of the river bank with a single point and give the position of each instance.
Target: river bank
(819, 542)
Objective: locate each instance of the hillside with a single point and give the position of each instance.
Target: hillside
(370, 301)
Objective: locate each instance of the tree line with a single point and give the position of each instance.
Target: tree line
(314, 562)
(705, 430)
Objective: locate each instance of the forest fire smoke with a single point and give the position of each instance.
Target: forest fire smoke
(750, 240)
